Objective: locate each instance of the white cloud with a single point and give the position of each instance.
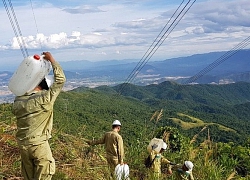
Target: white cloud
(82, 10)
(194, 30)
(222, 14)
(96, 33)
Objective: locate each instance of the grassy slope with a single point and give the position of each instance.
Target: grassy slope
(87, 113)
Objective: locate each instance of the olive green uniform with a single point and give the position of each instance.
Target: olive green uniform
(34, 113)
(157, 159)
(114, 148)
(184, 175)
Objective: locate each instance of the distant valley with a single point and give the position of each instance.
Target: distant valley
(113, 72)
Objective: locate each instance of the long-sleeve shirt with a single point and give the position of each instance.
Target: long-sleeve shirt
(184, 175)
(34, 111)
(157, 159)
(181, 174)
(113, 144)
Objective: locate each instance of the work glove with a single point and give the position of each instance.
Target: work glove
(172, 163)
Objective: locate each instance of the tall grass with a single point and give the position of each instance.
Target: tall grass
(75, 160)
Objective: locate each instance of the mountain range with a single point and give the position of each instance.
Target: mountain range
(235, 68)
(229, 70)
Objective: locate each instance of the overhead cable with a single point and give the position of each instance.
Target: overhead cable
(220, 60)
(35, 23)
(16, 28)
(153, 48)
(172, 28)
(141, 60)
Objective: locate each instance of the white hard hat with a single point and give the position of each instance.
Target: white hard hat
(49, 80)
(116, 122)
(189, 165)
(164, 146)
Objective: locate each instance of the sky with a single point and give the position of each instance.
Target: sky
(98, 30)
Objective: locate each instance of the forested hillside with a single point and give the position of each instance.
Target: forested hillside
(225, 105)
(208, 124)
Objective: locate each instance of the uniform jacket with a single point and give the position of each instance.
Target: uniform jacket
(184, 175)
(113, 144)
(157, 159)
(34, 111)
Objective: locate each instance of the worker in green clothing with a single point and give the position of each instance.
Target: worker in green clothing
(34, 113)
(113, 145)
(157, 160)
(184, 172)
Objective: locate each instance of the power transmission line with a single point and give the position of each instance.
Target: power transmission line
(149, 53)
(220, 60)
(153, 52)
(141, 60)
(16, 28)
(35, 23)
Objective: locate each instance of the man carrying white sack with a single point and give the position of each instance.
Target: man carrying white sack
(34, 113)
(113, 145)
(157, 159)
